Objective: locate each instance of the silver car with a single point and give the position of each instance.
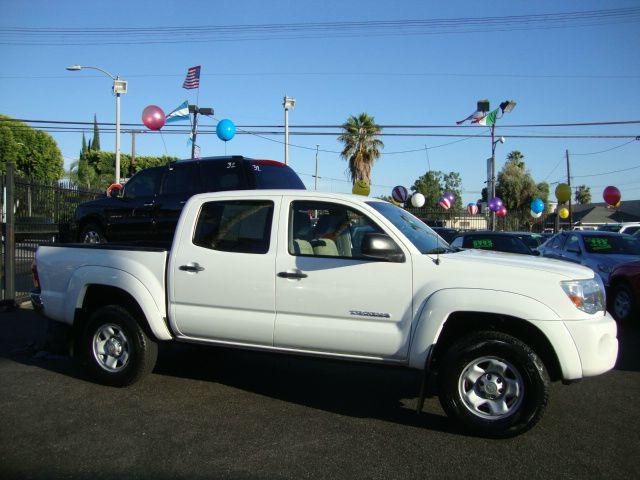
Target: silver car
(601, 251)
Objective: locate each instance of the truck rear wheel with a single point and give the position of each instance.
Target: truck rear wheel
(117, 351)
(493, 385)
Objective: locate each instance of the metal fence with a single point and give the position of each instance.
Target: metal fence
(32, 213)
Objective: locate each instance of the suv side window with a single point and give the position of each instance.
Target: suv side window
(572, 245)
(181, 179)
(327, 230)
(218, 176)
(143, 184)
(242, 226)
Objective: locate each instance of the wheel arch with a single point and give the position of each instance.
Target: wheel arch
(462, 323)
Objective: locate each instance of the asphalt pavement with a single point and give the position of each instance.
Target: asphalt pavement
(219, 413)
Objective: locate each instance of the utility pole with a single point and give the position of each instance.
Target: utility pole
(316, 181)
(569, 183)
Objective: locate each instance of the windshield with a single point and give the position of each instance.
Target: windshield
(611, 244)
(418, 233)
(532, 241)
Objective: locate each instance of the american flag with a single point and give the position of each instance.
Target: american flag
(193, 78)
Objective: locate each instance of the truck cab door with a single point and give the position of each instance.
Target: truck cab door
(221, 273)
(331, 297)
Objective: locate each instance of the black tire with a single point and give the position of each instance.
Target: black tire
(623, 304)
(116, 350)
(493, 385)
(92, 233)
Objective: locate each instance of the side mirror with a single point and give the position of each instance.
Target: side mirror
(574, 250)
(379, 246)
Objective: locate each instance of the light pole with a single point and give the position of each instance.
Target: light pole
(505, 107)
(316, 182)
(287, 104)
(119, 86)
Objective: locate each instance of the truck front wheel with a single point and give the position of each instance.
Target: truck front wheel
(494, 385)
(117, 351)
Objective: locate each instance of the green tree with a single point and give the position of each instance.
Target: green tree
(95, 144)
(517, 189)
(361, 146)
(583, 195)
(35, 153)
(434, 184)
(84, 144)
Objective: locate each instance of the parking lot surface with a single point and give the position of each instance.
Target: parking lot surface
(218, 413)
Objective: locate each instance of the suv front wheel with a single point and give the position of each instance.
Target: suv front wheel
(92, 233)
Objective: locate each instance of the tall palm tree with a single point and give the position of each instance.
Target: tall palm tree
(361, 146)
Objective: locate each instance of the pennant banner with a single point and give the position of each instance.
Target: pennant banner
(180, 113)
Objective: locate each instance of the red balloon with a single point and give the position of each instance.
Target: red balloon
(153, 117)
(502, 212)
(611, 195)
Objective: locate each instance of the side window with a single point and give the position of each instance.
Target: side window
(572, 244)
(218, 176)
(180, 179)
(457, 242)
(242, 226)
(143, 184)
(328, 230)
(556, 243)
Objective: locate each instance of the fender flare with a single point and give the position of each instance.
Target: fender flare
(438, 307)
(143, 294)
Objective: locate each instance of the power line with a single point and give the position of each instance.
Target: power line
(310, 30)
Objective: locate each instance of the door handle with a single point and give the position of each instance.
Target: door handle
(191, 268)
(292, 275)
(148, 204)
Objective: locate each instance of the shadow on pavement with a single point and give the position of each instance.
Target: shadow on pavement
(357, 390)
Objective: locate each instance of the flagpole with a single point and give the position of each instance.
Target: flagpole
(194, 132)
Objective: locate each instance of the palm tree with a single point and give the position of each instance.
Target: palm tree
(361, 146)
(583, 195)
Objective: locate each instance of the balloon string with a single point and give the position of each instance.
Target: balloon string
(163, 143)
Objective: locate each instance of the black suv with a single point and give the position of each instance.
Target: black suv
(149, 205)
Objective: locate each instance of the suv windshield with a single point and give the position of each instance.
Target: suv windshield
(424, 239)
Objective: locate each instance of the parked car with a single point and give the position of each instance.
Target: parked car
(499, 241)
(148, 206)
(601, 251)
(624, 297)
(531, 239)
(624, 227)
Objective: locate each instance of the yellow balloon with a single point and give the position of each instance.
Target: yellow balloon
(617, 205)
(361, 188)
(564, 213)
(563, 192)
(397, 204)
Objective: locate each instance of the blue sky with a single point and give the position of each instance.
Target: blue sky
(571, 74)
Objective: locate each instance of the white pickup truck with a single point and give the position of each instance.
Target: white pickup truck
(339, 276)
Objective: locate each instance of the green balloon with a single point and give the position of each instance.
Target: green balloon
(563, 192)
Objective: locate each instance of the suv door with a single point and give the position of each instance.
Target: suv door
(179, 182)
(130, 216)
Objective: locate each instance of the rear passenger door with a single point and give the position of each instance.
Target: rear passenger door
(221, 275)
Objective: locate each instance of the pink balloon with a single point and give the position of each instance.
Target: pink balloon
(153, 117)
(502, 212)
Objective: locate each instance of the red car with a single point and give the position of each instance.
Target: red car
(624, 291)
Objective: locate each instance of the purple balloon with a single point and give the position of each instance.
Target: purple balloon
(450, 196)
(495, 204)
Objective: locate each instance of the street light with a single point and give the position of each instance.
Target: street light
(119, 87)
(505, 107)
(287, 104)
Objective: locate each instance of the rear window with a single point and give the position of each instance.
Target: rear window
(268, 174)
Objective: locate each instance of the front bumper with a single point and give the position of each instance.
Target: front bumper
(596, 343)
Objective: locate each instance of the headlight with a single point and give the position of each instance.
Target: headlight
(605, 268)
(586, 295)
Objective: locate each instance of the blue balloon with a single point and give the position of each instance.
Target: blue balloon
(226, 130)
(537, 206)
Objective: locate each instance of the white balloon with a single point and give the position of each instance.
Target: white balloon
(535, 215)
(417, 200)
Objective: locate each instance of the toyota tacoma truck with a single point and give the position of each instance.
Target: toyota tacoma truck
(339, 276)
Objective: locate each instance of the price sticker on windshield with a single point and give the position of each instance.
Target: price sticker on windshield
(486, 243)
